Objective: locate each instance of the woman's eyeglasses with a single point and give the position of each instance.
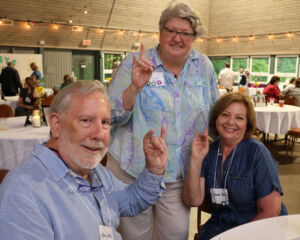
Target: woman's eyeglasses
(185, 35)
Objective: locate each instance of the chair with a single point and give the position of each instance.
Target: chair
(204, 207)
(291, 100)
(294, 133)
(46, 101)
(3, 172)
(6, 111)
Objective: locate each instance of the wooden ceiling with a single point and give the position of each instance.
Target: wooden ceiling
(112, 15)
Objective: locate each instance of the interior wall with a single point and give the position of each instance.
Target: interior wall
(244, 17)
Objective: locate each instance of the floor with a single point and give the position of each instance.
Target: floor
(289, 174)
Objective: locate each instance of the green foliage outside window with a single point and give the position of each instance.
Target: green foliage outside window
(260, 65)
(219, 64)
(110, 58)
(286, 65)
(238, 63)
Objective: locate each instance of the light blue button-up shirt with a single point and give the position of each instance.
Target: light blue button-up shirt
(181, 105)
(39, 200)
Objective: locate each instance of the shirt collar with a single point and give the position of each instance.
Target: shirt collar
(156, 61)
(56, 167)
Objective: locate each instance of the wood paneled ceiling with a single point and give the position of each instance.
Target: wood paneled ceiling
(112, 15)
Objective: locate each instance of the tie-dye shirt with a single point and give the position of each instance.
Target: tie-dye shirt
(181, 105)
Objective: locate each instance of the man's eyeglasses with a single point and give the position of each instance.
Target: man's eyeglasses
(185, 35)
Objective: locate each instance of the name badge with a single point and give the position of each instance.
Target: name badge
(106, 233)
(157, 79)
(27, 99)
(219, 196)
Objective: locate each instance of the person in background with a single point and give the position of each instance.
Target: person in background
(296, 90)
(36, 72)
(238, 187)
(170, 85)
(27, 97)
(10, 81)
(61, 191)
(226, 77)
(290, 86)
(243, 81)
(272, 90)
(68, 79)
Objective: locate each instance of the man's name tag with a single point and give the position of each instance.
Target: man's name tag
(27, 99)
(157, 79)
(219, 196)
(106, 233)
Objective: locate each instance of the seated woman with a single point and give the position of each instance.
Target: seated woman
(235, 175)
(27, 97)
(296, 91)
(272, 90)
(68, 79)
(290, 86)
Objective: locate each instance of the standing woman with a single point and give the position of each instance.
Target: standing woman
(27, 97)
(36, 72)
(170, 85)
(236, 175)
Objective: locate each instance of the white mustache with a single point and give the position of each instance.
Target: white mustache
(94, 145)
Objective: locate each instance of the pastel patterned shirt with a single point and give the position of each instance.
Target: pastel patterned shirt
(181, 105)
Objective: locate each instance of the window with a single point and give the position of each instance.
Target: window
(219, 63)
(84, 65)
(260, 68)
(237, 63)
(109, 60)
(286, 67)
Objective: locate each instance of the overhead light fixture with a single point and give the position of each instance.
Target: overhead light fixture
(70, 20)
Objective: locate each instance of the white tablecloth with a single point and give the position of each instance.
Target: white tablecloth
(11, 101)
(17, 141)
(281, 228)
(277, 120)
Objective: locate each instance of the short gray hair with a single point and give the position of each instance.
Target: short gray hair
(82, 88)
(182, 10)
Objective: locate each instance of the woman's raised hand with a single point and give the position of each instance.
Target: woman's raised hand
(141, 70)
(200, 146)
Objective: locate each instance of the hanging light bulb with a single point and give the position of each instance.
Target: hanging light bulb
(271, 36)
(85, 10)
(55, 26)
(219, 40)
(155, 35)
(28, 25)
(121, 32)
(252, 38)
(70, 20)
(235, 39)
(289, 35)
(101, 30)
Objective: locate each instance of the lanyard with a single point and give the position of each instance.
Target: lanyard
(92, 189)
(215, 177)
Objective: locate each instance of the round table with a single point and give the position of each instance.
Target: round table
(11, 101)
(281, 228)
(277, 120)
(17, 141)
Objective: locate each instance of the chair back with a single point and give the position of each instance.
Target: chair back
(46, 101)
(291, 100)
(3, 172)
(6, 111)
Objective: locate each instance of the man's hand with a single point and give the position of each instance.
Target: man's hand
(155, 150)
(141, 70)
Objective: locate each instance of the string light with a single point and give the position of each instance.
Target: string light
(252, 38)
(55, 26)
(289, 35)
(140, 33)
(235, 39)
(155, 35)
